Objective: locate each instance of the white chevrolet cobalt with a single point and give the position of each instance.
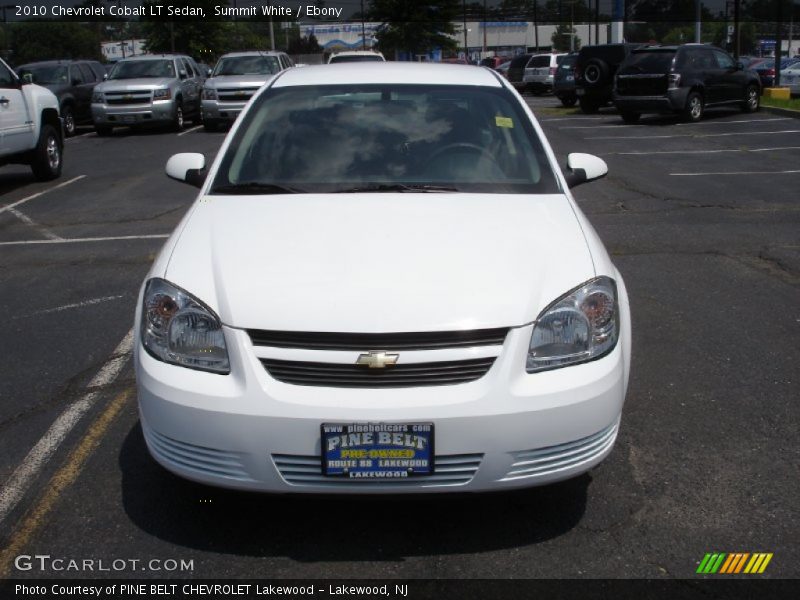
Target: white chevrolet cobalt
(384, 285)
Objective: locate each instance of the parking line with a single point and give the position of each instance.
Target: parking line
(48, 311)
(683, 135)
(704, 151)
(739, 121)
(60, 481)
(31, 223)
(737, 173)
(157, 236)
(24, 475)
(195, 128)
(701, 123)
(581, 118)
(37, 194)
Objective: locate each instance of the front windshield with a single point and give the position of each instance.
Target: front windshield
(361, 138)
(247, 65)
(143, 68)
(356, 58)
(46, 75)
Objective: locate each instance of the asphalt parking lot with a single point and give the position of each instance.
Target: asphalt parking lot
(701, 219)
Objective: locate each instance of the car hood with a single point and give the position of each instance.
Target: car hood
(237, 81)
(380, 262)
(133, 85)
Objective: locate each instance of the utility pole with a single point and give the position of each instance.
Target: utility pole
(778, 44)
(596, 21)
(697, 28)
(363, 29)
(464, 15)
(736, 37)
(484, 28)
(536, 23)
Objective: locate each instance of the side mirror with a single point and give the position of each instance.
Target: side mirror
(208, 73)
(187, 167)
(584, 167)
(105, 76)
(182, 73)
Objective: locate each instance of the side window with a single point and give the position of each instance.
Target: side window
(99, 71)
(538, 62)
(7, 79)
(75, 75)
(289, 62)
(723, 60)
(188, 67)
(88, 76)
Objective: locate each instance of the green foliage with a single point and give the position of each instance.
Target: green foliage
(415, 27)
(203, 39)
(561, 39)
(46, 40)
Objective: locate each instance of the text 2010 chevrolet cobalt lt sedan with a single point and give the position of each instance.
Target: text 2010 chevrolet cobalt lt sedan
(384, 285)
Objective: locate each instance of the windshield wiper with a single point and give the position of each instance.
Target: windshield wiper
(254, 187)
(396, 187)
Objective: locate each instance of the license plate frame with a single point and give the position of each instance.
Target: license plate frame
(408, 451)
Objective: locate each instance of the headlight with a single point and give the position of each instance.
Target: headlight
(209, 94)
(97, 98)
(179, 329)
(162, 94)
(582, 325)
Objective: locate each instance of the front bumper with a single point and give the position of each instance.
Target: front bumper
(673, 100)
(214, 110)
(505, 430)
(161, 111)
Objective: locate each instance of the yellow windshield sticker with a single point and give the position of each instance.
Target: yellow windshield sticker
(504, 122)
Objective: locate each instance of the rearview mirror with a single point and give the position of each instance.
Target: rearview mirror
(584, 167)
(187, 167)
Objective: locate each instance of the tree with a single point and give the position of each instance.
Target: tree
(306, 44)
(201, 38)
(415, 27)
(43, 40)
(561, 39)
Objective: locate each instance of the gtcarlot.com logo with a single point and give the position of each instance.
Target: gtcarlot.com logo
(45, 562)
(731, 563)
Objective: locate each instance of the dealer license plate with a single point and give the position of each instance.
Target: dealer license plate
(370, 451)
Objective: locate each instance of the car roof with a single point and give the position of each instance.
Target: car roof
(356, 53)
(47, 63)
(152, 57)
(252, 53)
(389, 72)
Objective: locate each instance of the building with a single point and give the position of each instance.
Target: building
(114, 51)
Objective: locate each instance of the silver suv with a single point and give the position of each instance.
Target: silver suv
(235, 78)
(148, 90)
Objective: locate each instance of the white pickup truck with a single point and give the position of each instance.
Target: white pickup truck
(31, 130)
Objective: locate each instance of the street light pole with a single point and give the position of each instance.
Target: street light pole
(363, 34)
(464, 14)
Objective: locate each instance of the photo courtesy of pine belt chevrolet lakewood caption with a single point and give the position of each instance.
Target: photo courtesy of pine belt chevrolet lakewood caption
(384, 286)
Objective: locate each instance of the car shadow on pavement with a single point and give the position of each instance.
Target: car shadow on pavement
(339, 528)
(12, 181)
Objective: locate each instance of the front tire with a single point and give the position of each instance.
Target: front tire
(568, 101)
(752, 99)
(69, 120)
(47, 157)
(693, 111)
(177, 120)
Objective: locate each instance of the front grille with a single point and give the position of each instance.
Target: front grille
(551, 459)
(642, 85)
(235, 94)
(354, 376)
(454, 470)
(127, 98)
(360, 342)
(203, 460)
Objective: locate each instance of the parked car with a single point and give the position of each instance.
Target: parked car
(540, 71)
(31, 129)
(356, 56)
(516, 71)
(72, 81)
(502, 68)
(564, 80)
(684, 79)
(161, 89)
(594, 74)
(790, 77)
(493, 61)
(766, 69)
(235, 78)
(500, 355)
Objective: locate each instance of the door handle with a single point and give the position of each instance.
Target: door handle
(4, 100)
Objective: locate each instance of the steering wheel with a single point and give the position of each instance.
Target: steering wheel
(462, 147)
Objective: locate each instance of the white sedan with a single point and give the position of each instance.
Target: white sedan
(790, 77)
(384, 286)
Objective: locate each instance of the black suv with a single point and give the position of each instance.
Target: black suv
(72, 81)
(594, 74)
(683, 79)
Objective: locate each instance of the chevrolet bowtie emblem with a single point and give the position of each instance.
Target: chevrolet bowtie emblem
(377, 360)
